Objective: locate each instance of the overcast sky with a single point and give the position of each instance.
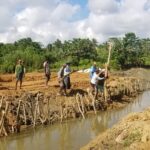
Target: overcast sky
(48, 20)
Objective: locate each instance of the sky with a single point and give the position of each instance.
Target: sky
(47, 20)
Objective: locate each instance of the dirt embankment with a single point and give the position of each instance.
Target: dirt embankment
(132, 133)
(35, 104)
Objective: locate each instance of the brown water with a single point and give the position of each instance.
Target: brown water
(73, 134)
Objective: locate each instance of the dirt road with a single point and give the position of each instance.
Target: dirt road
(35, 82)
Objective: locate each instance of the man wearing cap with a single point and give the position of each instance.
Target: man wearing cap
(19, 72)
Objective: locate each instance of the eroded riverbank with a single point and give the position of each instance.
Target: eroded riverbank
(132, 132)
(73, 134)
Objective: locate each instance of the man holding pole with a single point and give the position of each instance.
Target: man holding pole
(61, 81)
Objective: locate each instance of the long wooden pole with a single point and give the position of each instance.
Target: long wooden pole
(109, 53)
(106, 71)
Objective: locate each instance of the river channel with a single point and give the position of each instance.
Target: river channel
(72, 134)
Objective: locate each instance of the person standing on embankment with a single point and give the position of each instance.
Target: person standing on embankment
(102, 83)
(95, 82)
(47, 72)
(61, 81)
(19, 73)
(67, 72)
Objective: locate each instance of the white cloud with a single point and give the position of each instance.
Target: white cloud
(47, 20)
(103, 6)
(115, 18)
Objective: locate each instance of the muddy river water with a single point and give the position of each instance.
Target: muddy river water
(73, 134)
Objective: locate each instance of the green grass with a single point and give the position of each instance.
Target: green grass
(134, 136)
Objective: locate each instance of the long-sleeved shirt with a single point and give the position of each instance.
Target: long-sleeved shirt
(95, 78)
(92, 70)
(67, 70)
(61, 73)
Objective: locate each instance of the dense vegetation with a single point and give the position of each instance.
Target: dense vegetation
(127, 51)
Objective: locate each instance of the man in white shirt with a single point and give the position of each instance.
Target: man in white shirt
(94, 81)
(67, 72)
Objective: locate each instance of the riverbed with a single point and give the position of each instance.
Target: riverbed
(73, 134)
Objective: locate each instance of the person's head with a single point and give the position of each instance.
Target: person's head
(19, 61)
(64, 65)
(94, 64)
(97, 71)
(46, 61)
(67, 64)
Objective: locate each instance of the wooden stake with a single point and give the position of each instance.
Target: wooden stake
(1, 102)
(93, 101)
(24, 113)
(82, 104)
(18, 109)
(77, 100)
(2, 122)
(61, 113)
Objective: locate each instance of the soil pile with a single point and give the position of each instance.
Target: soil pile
(133, 132)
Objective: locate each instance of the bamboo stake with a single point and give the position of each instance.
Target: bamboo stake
(35, 113)
(2, 127)
(32, 114)
(24, 112)
(1, 102)
(2, 121)
(48, 109)
(18, 108)
(109, 52)
(82, 104)
(106, 72)
(88, 103)
(5, 132)
(6, 107)
(93, 101)
(61, 113)
(77, 100)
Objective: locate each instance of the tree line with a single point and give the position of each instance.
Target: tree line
(127, 51)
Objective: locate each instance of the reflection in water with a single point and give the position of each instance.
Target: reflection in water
(73, 134)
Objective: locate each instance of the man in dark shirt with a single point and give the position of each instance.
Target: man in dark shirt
(101, 83)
